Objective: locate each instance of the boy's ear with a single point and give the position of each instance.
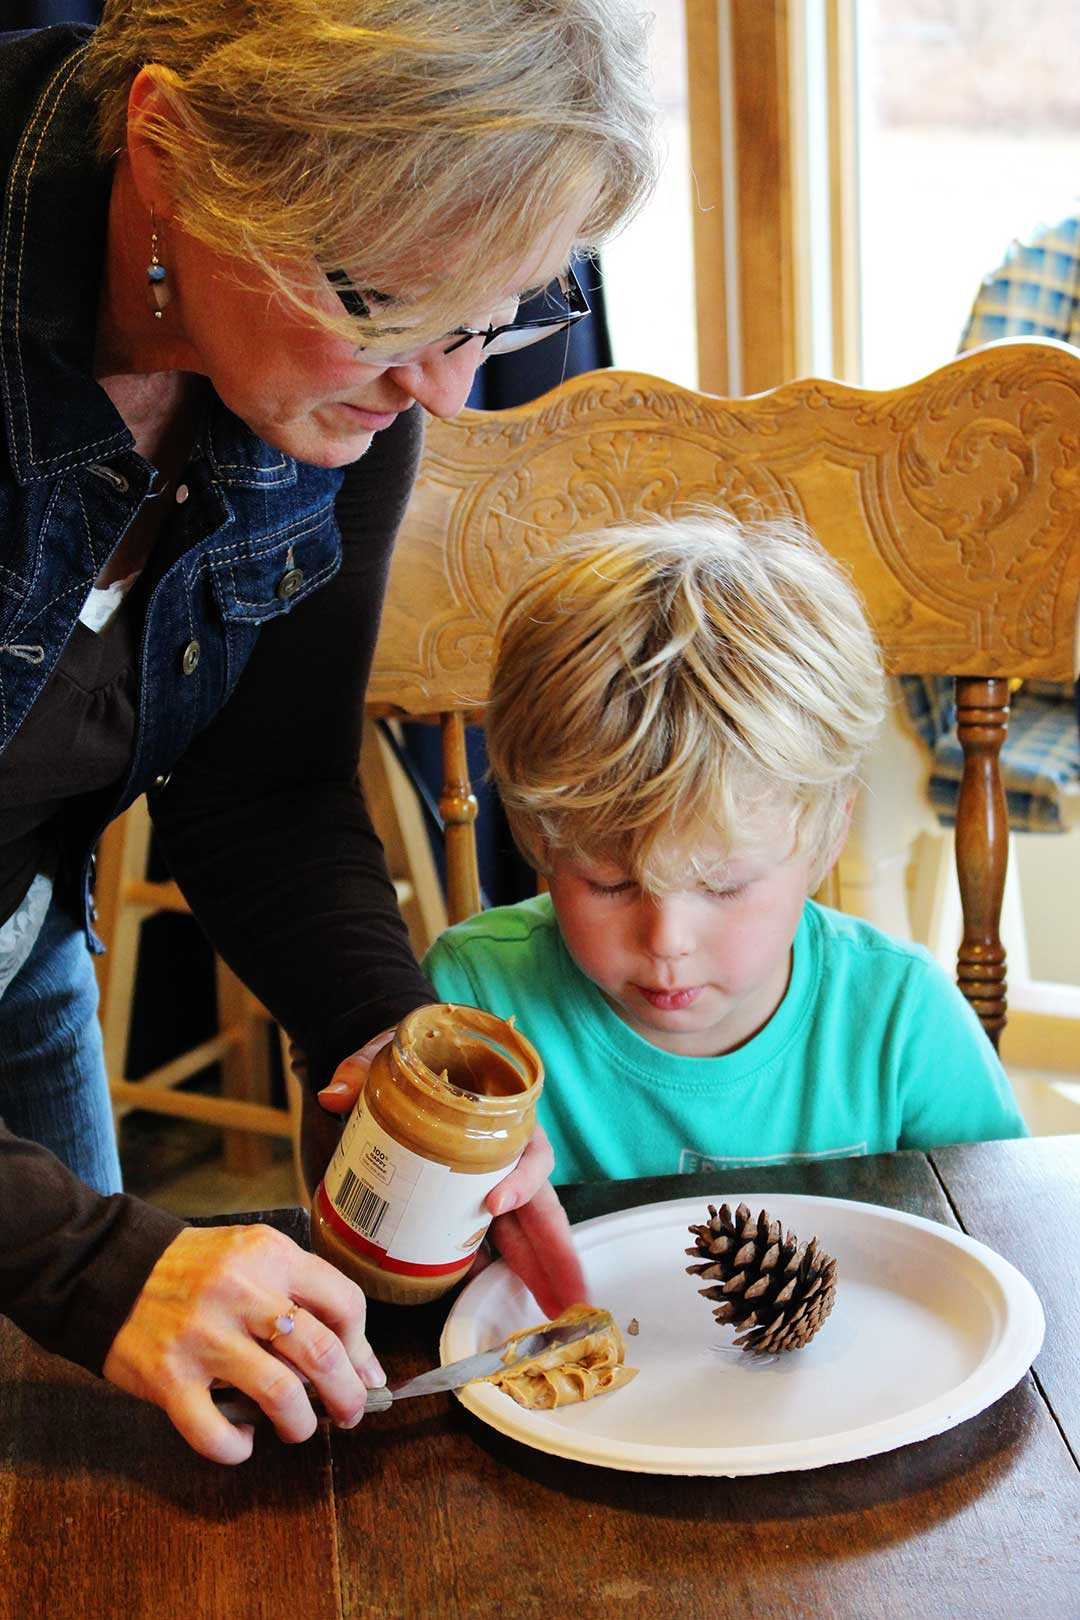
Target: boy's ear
(834, 854)
(842, 836)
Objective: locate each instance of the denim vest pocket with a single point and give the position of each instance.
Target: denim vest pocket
(256, 579)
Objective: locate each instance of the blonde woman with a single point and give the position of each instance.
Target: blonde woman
(677, 718)
(240, 247)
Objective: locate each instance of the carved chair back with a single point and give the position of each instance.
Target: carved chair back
(954, 502)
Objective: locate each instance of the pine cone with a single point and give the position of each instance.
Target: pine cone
(778, 1288)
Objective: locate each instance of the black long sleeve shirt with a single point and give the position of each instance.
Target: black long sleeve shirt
(264, 827)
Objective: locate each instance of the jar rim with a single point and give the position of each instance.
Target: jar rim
(499, 1035)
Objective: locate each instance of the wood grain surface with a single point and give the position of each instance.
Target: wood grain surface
(106, 1514)
(1023, 1199)
(425, 1511)
(982, 1520)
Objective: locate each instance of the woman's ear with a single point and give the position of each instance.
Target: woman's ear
(148, 107)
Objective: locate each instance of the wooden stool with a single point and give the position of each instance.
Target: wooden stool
(125, 899)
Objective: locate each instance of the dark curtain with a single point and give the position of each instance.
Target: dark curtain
(506, 381)
(43, 13)
(514, 379)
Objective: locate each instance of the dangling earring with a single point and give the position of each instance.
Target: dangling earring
(158, 292)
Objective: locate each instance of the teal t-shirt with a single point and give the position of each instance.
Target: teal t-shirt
(872, 1048)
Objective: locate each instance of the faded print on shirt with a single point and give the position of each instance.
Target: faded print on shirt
(690, 1160)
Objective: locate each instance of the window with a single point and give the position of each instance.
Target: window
(968, 135)
(648, 270)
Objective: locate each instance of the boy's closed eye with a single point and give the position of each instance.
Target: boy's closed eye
(729, 891)
(622, 886)
(625, 886)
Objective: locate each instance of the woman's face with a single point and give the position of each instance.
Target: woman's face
(299, 387)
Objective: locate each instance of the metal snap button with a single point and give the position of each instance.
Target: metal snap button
(289, 583)
(182, 493)
(162, 779)
(189, 661)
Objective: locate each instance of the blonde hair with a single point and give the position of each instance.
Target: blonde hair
(304, 136)
(695, 677)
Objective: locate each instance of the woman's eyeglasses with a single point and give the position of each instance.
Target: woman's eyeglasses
(561, 305)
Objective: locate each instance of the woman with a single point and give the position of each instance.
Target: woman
(216, 326)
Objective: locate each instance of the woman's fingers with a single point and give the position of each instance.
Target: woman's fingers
(247, 1307)
(526, 1179)
(207, 1430)
(328, 1295)
(535, 1241)
(351, 1075)
(320, 1127)
(275, 1382)
(325, 1343)
(531, 1230)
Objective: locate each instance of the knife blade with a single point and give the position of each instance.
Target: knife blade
(457, 1373)
(240, 1408)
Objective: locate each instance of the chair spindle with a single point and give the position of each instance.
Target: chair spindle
(982, 846)
(458, 808)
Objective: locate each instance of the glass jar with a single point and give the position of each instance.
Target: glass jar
(447, 1110)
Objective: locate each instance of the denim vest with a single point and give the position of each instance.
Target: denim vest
(254, 534)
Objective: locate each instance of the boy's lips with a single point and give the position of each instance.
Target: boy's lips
(669, 1000)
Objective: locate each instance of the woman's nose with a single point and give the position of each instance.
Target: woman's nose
(440, 382)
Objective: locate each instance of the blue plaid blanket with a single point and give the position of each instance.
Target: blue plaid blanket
(1040, 755)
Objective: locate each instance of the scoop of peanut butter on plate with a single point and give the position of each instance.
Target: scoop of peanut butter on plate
(566, 1372)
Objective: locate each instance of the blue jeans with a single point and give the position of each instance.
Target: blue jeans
(53, 1085)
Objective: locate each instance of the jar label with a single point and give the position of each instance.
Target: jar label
(399, 1209)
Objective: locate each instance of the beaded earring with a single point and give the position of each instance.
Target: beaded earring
(158, 291)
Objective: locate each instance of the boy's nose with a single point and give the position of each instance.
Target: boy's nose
(667, 929)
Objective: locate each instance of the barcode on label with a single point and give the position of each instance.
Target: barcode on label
(361, 1205)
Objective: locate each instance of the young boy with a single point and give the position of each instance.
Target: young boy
(677, 719)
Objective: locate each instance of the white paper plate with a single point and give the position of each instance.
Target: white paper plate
(929, 1327)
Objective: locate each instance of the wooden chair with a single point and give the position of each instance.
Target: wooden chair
(241, 1042)
(125, 898)
(954, 502)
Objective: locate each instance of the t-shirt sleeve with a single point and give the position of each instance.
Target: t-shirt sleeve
(952, 1085)
(447, 971)
(72, 1263)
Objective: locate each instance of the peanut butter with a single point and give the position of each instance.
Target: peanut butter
(448, 1108)
(567, 1372)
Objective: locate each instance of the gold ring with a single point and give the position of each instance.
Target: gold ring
(283, 1324)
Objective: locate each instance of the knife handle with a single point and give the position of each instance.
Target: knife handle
(240, 1408)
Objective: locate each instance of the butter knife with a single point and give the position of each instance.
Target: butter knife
(239, 1408)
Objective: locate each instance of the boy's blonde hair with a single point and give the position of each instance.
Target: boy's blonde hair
(306, 136)
(692, 679)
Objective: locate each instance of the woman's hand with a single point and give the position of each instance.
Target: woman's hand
(320, 1127)
(532, 1233)
(530, 1228)
(206, 1315)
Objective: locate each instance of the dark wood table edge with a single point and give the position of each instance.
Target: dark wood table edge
(939, 1159)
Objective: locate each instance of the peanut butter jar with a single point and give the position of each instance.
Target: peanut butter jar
(448, 1108)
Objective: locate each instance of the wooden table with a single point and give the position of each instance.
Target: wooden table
(105, 1514)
